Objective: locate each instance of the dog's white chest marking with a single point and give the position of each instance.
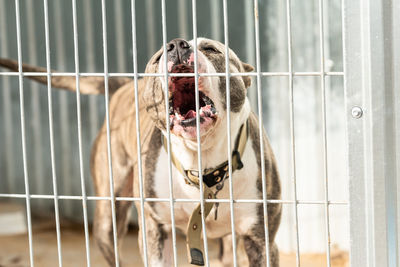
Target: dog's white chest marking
(244, 187)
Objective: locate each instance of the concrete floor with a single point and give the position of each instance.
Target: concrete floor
(14, 250)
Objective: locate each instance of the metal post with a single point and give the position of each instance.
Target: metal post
(371, 84)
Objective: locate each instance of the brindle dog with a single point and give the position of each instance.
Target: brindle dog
(247, 183)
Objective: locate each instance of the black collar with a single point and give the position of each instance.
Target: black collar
(215, 175)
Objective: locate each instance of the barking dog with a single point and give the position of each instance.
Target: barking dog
(246, 158)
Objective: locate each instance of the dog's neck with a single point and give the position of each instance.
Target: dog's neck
(214, 147)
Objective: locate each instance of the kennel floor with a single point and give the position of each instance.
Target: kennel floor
(14, 249)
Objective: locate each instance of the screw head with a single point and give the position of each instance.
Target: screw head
(356, 112)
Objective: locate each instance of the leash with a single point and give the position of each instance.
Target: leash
(211, 177)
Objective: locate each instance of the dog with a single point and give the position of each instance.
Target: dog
(246, 164)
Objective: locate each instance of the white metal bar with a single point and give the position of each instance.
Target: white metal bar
(167, 123)
(23, 136)
(396, 84)
(228, 128)
(127, 74)
(90, 62)
(7, 107)
(292, 133)
(324, 131)
(219, 200)
(199, 156)
(261, 133)
(35, 102)
(139, 145)
(79, 118)
(63, 101)
(52, 154)
(110, 174)
(249, 9)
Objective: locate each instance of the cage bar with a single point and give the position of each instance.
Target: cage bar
(324, 132)
(128, 74)
(228, 129)
(167, 123)
(261, 133)
(107, 104)
(79, 118)
(139, 144)
(292, 135)
(199, 156)
(51, 133)
(35, 100)
(23, 133)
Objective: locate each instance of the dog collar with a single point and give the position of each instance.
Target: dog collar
(215, 175)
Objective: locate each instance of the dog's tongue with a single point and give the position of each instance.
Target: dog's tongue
(190, 114)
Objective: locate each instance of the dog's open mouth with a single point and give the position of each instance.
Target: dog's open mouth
(182, 102)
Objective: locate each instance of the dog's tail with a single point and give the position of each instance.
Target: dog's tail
(88, 85)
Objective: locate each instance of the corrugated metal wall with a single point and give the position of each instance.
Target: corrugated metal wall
(274, 47)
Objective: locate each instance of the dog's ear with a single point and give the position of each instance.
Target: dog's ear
(247, 79)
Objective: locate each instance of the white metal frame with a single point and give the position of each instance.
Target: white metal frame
(371, 39)
(371, 77)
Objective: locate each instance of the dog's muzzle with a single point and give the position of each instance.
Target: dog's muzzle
(182, 91)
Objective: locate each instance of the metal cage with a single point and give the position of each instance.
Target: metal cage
(370, 115)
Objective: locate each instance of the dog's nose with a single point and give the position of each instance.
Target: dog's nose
(177, 50)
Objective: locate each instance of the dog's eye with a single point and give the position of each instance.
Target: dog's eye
(211, 49)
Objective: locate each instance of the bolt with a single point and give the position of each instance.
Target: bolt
(356, 112)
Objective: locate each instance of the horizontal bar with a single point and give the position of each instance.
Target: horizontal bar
(220, 200)
(130, 74)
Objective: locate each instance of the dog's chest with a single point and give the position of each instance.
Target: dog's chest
(244, 185)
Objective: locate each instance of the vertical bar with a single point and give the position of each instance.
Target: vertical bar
(199, 159)
(292, 135)
(261, 133)
(90, 62)
(36, 106)
(166, 93)
(79, 118)
(248, 9)
(7, 108)
(50, 107)
(396, 60)
(23, 136)
(106, 98)
(228, 128)
(63, 98)
(324, 135)
(139, 145)
(370, 36)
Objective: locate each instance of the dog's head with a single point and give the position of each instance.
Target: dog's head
(181, 90)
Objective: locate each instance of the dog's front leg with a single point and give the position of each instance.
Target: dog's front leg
(254, 245)
(159, 243)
